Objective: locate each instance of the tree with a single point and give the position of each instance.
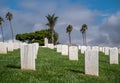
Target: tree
(1, 21)
(68, 30)
(37, 36)
(9, 17)
(52, 19)
(83, 31)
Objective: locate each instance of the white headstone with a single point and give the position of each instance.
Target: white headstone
(88, 48)
(83, 49)
(3, 48)
(27, 57)
(95, 48)
(45, 42)
(36, 47)
(59, 48)
(119, 50)
(91, 62)
(79, 47)
(10, 46)
(113, 56)
(73, 53)
(106, 50)
(64, 49)
(51, 46)
(100, 49)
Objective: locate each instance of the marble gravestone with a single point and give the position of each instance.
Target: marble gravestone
(95, 48)
(3, 48)
(27, 57)
(59, 48)
(91, 62)
(83, 49)
(10, 46)
(51, 46)
(119, 50)
(73, 53)
(45, 42)
(106, 50)
(113, 57)
(64, 49)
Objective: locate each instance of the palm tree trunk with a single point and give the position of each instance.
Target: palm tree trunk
(2, 33)
(11, 31)
(85, 39)
(52, 36)
(69, 38)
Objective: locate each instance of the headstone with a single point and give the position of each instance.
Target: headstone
(10, 46)
(113, 56)
(73, 53)
(91, 62)
(83, 49)
(119, 50)
(27, 57)
(64, 49)
(16, 45)
(100, 49)
(3, 48)
(106, 50)
(95, 48)
(88, 48)
(45, 42)
(36, 47)
(51, 46)
(79, 47)
(59, 48)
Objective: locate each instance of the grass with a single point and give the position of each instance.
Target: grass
(52, 67)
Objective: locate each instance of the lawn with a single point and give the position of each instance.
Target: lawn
(52, 67)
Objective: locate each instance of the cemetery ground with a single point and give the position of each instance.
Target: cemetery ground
(52, 67)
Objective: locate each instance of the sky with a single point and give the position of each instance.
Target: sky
(101, 16)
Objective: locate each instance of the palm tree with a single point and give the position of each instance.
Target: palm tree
(83, 31)
(68, 30)
(52, 19)
(9, 17)
(1, 21)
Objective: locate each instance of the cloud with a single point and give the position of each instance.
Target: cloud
(109, 31)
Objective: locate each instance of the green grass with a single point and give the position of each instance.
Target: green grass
(52, 67)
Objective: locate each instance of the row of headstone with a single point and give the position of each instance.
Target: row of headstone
(5, 47)
(28, 54)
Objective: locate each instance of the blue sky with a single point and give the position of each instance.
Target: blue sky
(101, 16)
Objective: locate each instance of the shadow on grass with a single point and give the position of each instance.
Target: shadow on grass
(13, 66)
(76, 71)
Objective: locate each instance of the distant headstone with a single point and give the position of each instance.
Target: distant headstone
(88, 48)
(27, 57)
(64, 49)
(3, 48)
(113, 56)
(119, 50)
(91, 62)
(95, 48)
(73, 53)
(100, 49)
(46, 42)
(83, 49)
(59, 48)
(79, 47)
(10, 46)
(51, 46)
(106, 50)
